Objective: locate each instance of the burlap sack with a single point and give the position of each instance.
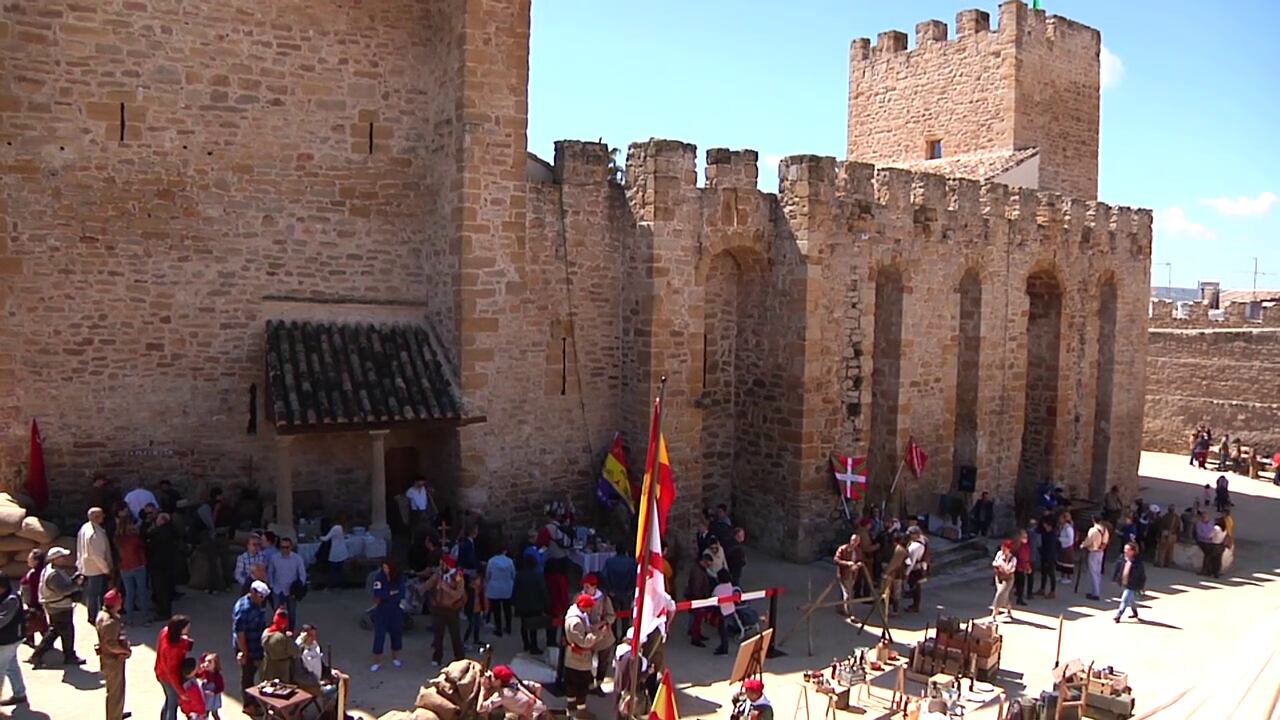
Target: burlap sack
(41, 531)
(454, 690)
(6, 558)
(11, 517)
(15, 570)
(15, 544)
(414, 714)
(63, 542)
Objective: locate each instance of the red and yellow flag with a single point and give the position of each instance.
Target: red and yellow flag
(656, 498)
(664, 701)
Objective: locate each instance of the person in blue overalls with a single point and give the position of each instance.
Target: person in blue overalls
(388, 591)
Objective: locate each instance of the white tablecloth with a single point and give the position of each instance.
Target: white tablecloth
(359, 547)
(590, 562)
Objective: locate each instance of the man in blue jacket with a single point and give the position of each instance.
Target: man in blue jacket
(1132, 576)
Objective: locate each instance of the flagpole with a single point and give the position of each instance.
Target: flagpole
(645, 511)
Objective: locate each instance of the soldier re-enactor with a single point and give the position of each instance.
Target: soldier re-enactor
(113, 650)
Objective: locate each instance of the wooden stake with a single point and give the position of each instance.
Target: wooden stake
(808, 623)
(1057, 655)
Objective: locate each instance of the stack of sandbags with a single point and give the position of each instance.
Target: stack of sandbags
(21, 533)
(451, 695)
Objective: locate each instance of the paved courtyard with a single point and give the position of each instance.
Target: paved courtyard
(1184, 616)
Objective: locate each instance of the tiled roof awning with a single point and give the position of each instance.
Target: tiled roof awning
(343, 376)
(978, 166)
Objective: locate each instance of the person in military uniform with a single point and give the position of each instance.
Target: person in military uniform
(113, 651)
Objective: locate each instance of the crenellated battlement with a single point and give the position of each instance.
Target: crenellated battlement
(732, 168)
(1039, 216)
(579, 163)
(1018, 25)
(661, 173)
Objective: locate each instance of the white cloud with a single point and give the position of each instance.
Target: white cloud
(769, 162)
(1243, 206)
(1112, 68)
(1174, 222)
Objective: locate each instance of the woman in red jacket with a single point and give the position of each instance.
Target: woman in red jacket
(172, 646)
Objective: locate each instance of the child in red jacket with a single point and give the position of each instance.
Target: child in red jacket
(191, 697)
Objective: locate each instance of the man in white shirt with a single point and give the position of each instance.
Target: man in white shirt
(1095, 543)
(139, 498)
(93, 560)
(419, 503)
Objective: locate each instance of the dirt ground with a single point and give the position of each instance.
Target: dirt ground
(1184, 616)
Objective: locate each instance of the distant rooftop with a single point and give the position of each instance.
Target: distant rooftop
(975, 166)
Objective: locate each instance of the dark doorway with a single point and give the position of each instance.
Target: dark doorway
(965, 440)
(402, 469)
(886, 376)
(1040, 418)
(1106, 385)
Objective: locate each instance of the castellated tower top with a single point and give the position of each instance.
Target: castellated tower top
(1017, 103)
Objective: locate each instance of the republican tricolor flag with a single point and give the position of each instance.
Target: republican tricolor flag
(851, 475)
(656, 497)
(614, 485)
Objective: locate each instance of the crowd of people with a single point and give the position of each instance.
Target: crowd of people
(134, 550)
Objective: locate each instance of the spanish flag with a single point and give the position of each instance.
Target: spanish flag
(614, 485)
(656, 498)
(664, 701)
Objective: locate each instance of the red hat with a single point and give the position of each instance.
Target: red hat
(585, 602)
(112, 598)
(753, 685)
(503, 674)
(449, 561)
(1006, 545)
(591, 579)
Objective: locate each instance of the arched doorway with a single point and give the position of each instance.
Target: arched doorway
(968, 361)
(1040, 413)
(886, 377)
(1106, 385)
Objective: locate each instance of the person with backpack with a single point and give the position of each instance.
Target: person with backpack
(11, 635)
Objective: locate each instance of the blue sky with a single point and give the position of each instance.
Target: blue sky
(1190, 111)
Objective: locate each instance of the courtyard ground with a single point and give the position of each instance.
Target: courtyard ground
(1185, 619)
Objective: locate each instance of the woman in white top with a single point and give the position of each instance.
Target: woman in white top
(724, 588)
(338, 554)
(1005, 565)
(1066, 546)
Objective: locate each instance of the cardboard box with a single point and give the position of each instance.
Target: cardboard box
(987, 663)
(985, 631)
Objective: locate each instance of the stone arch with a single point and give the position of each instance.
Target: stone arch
(1042, 401)
(884, 451)
(1105, 387)
(733, 283)
(964, 453)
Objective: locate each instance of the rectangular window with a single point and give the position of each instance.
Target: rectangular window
(933, 149)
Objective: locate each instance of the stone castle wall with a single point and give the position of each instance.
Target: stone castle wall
(1219, 372)
(761, 312)
(173, 175)
(136, 276)
(1031, 81)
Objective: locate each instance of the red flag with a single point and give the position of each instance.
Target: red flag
(915, 458)
(657, 495)
(37, 482)
(851, 475)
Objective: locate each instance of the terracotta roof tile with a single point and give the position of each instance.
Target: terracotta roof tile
(978, 166)
(326, 375)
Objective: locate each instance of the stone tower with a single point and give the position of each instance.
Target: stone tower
(1018, 103)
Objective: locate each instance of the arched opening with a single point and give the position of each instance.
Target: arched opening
(720, 344)
(886, 374)
(1040, 414)
(1106, 385)
(965, 434)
